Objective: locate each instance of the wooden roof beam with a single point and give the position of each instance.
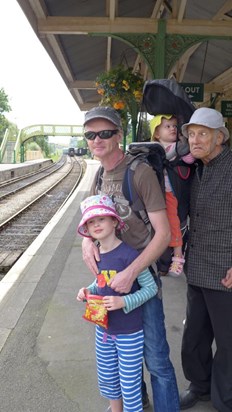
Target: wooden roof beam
(224, 77)
(158, 9)
(38, 8)
(181, 10)
(82, 84)
(200, 27)
(223, 10)
(86, 25)
(111, 11)
(111, 8)
(180, 67)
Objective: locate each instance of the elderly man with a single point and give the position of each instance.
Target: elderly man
(103, 131)
(209, 266)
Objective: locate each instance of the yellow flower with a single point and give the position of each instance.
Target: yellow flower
(122, 89)
(138, 95)
(125, 85)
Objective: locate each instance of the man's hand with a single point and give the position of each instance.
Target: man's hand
(113, 302)
(90, 254)
(122, 282)
(227, 280)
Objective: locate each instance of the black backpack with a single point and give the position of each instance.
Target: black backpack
(180, 175)
(168, 97)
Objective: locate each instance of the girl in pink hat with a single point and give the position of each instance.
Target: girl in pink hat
(119, 346)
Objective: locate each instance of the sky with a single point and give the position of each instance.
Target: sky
(36, 92)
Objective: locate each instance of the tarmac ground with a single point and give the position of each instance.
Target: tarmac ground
(47, 358)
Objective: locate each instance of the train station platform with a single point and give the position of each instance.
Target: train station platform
(47, 356)
(9, 171)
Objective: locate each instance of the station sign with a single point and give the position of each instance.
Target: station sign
(195, 91)
(226, 108)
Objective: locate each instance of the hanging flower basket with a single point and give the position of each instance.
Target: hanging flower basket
(121, 89)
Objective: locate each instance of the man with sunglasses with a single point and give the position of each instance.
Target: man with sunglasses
(103, 131)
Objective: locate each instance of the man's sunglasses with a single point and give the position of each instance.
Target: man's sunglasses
(103, 134)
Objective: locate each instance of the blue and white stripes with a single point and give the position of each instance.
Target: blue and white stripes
(148, 289)
(119, 366)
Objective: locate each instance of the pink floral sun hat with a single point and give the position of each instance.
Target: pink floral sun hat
(98, 205)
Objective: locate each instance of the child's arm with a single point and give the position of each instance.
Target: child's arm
(133, 300)
(82, 294)
(189, 159)
(148, 289)
(92, 288)
(84, 291)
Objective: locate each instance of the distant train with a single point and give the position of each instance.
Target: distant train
(80, 151)
(71, 151)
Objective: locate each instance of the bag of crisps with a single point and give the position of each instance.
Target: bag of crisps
(95, 311)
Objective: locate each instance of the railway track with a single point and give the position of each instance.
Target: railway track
(26, 212)
(12, 186)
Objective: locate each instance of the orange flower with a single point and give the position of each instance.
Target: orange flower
(119, 105)
(101, 91)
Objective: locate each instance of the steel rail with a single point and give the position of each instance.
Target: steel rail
(12, 217)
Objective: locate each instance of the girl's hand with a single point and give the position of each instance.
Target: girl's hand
(83, 292)
(113, 302)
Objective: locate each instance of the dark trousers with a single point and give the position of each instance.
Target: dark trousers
(209, 317)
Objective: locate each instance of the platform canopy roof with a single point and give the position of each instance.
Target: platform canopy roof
(188, 39)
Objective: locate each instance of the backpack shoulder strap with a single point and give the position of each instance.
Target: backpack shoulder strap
(98, 178)
(130, 192)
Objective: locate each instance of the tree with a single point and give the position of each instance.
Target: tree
(4, 103)
(42, 142)
(4, 108)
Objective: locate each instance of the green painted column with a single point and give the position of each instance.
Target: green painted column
(160, 50)
(22, 153)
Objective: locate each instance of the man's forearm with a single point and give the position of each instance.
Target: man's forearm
(151, 253)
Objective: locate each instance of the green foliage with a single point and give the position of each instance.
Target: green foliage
(32, 146)
(56, 156)
(4, 124)
(121, 89)
(82, 144)
(13, 131)
(4, 103)
(42, 141)
(144, 131)
(4, 108)
(39, 141)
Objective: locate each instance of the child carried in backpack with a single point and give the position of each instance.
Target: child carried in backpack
(164, 130)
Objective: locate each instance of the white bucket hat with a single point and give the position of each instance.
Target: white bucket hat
(209, 118)
(98, 205)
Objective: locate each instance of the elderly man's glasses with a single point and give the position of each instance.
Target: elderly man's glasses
(103, 134)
